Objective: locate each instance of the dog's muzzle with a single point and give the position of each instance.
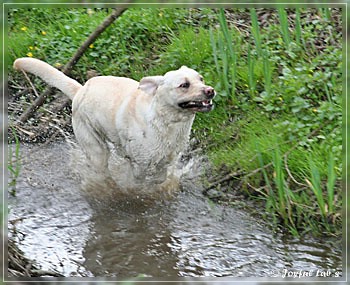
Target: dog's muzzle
(201, 105)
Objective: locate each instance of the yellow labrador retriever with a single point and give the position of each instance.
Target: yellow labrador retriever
(148, 122)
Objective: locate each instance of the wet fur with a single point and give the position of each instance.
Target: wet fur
(141, 121)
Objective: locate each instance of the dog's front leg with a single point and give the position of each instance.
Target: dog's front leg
(138, 171)
(148, 173)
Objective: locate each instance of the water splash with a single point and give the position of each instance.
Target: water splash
(117, 184)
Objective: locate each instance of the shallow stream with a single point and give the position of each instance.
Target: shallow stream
(186, 236)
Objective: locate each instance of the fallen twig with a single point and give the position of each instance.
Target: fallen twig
(223, 179)
(290, 173)
(30, 82)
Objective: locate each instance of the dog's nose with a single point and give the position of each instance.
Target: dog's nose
(209, 92)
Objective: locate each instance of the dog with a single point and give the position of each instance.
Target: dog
(148, 123)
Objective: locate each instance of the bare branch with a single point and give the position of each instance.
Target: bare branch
(73, 61)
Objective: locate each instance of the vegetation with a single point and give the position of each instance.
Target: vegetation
(14, 164)
(275, 133)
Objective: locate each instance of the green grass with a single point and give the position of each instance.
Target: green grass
(126, 48)
(284, 25)
(287, 135)
(13, 164)
(256, 31)
(278, 109)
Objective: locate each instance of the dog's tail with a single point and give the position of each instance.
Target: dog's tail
(49, 74)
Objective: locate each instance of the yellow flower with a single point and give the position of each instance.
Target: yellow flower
(43, 33)
(280, 98)
(31, 48)
(160, 14)
(91, 46)
(29, 54)
(90, 11)
(57, 64)
(314, 110)
(24, 29)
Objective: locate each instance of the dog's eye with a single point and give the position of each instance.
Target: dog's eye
(185, 85)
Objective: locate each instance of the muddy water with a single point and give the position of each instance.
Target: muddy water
(187, 236)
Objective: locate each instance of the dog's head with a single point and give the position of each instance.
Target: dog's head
(182, 89)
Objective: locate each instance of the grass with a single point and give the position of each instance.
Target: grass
(278, 110)
(14, 164)
(126, 48)
(285, 199)
(284, 24)
(256, 31)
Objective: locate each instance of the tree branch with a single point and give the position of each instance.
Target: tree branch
(39, 101)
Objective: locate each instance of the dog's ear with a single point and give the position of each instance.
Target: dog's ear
(184, 67)
(150, 84)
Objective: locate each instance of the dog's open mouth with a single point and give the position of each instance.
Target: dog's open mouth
(198, 106)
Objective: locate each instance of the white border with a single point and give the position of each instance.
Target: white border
(181, 280)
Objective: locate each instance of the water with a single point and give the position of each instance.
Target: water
(185, 236)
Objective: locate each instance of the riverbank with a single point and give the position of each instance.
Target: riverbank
(275, 134)
(187, 236)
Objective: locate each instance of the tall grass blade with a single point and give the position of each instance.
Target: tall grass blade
(233, 67)
(215, 51)
(225, 65)
(256, 31)
(325, 12)
(280, 184)
(326, 88)
(220, 64)
(251, 76)
(316, 186)
(14, 164)
(267, 71)
(284, 25)
(226, 33)
(331, 183)
(270, 199)
(230, 57)
(298, 31)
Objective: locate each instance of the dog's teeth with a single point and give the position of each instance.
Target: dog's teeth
(206, 103)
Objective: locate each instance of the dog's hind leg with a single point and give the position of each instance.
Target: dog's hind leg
(93, 145)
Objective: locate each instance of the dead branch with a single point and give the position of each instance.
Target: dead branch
(68, 67)
(31, 83)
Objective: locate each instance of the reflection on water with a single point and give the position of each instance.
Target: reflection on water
(186, 236)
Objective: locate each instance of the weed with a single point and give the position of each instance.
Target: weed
(295, 111)
(225, 57)
(331, 184)
(284, 25)
(14, 164)
(256, 31)
(251, 74)
(298, 30)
